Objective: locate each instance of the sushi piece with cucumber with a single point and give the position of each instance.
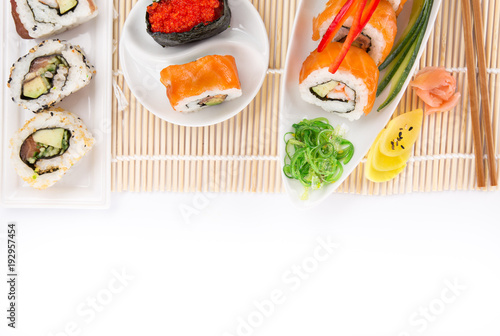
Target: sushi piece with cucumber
(350, 91)
(48, 145)
(49, 72)
(44, 18)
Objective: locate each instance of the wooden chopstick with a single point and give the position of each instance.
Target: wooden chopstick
(474, 103)
(483, 86)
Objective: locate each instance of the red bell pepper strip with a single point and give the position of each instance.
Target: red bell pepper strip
(336, 24)
(353, 34)
(367, 15)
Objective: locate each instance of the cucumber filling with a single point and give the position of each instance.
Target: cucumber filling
(45, 73)
(213, 100)
(44, 144)
(63, 6)
(332, 91)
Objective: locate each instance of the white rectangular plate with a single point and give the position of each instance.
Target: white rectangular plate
(88, 184)
(362, 132)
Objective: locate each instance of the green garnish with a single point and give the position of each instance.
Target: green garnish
(315, 152)
(401, 60)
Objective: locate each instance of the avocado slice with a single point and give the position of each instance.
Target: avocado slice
(36, 87)
(66, 5)
(50, 137)
(322, 90)
(213, 100)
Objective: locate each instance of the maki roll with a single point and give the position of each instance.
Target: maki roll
(49, 72)
(176, 22)
(43, 18)
(377, 38)
(208, 81)
(48, 146)
(350, 92)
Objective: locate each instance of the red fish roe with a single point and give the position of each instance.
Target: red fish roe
(179, 16)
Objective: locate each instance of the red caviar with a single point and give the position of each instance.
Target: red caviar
(179, 16)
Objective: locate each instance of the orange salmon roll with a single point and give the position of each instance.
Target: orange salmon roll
(377, 38)
(208, 81)
(350, 92)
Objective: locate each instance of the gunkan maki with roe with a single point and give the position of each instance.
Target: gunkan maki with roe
(177, 22)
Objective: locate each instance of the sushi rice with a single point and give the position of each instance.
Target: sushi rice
(80, 142)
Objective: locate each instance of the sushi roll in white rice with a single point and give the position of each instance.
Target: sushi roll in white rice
(43, 18)
(350, 92)
(49, 72)
(209, 81)
(48, 146)
(377, 38)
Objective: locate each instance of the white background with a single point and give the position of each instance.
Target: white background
(205, 274)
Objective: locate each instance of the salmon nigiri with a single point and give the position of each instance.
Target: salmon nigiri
(208, 81)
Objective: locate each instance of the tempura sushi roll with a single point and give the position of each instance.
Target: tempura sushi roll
(48, 146)
(49, 72)
(208, 81)
(377, 38)
(43, 18)
(350, 92)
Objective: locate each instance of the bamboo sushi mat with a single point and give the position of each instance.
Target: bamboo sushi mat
(241, 154)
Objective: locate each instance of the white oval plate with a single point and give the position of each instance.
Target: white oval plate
(362, 132)
(142, 59)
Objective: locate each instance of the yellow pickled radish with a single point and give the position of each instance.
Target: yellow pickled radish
(383, 162)
(375, 175)
(401, 133)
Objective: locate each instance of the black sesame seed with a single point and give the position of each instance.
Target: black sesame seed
(402, 146)
(411, 128)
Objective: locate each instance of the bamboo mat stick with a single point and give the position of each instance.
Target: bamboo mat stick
(483, 86)
(163, 151)
(471, 73)
(170, 151)
(144, 148)
(157, 152)
(125, 115)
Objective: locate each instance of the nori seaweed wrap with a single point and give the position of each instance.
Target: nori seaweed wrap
(199, 32)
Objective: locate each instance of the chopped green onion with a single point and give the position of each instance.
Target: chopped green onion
(315, 152)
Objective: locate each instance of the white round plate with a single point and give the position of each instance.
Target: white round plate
(142, 60)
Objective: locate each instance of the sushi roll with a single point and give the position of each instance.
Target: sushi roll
(208, 81)
(176, 22)
(377, 38)
(350, 92)
(43, 18)
(48, 146)
(49, 72)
